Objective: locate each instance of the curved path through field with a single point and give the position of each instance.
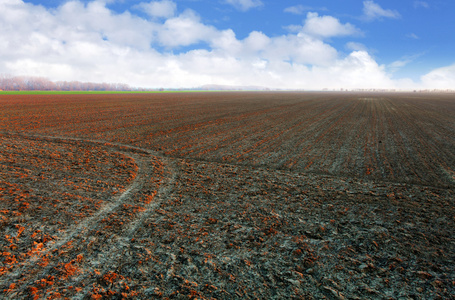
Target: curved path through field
(109, 246)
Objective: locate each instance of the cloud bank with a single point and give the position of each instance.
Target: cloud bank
(89, 42)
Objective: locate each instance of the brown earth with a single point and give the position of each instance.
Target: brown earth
(227, 195)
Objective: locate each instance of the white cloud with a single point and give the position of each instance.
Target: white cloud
(257, 41)
(75, 21)
(357, 70)
(225, 42)
(158, 9)
(441, 78)
(327, 26)
(244, 5)
(297, 9)
(184, 30)
(373, 11)
(300, 49)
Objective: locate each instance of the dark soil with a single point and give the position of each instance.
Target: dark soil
(106, 218)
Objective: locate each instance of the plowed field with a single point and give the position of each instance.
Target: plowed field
(227, 195)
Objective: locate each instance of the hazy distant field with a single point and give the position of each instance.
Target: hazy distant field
(227, 195)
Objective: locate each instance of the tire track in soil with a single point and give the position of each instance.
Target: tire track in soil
(111, 256)
(82, 231)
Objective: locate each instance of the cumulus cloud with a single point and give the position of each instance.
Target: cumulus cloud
(327, 26)
(157, 9)
(184, 30)
(256, 42)
(89, 42)
(357, 70)
(373, 11)
(74, 21)
(441, 78)
(300, 49)
(244, 5)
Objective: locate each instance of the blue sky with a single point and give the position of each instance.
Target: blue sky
(310, 44)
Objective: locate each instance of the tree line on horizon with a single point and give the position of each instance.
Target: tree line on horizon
(30, 83)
